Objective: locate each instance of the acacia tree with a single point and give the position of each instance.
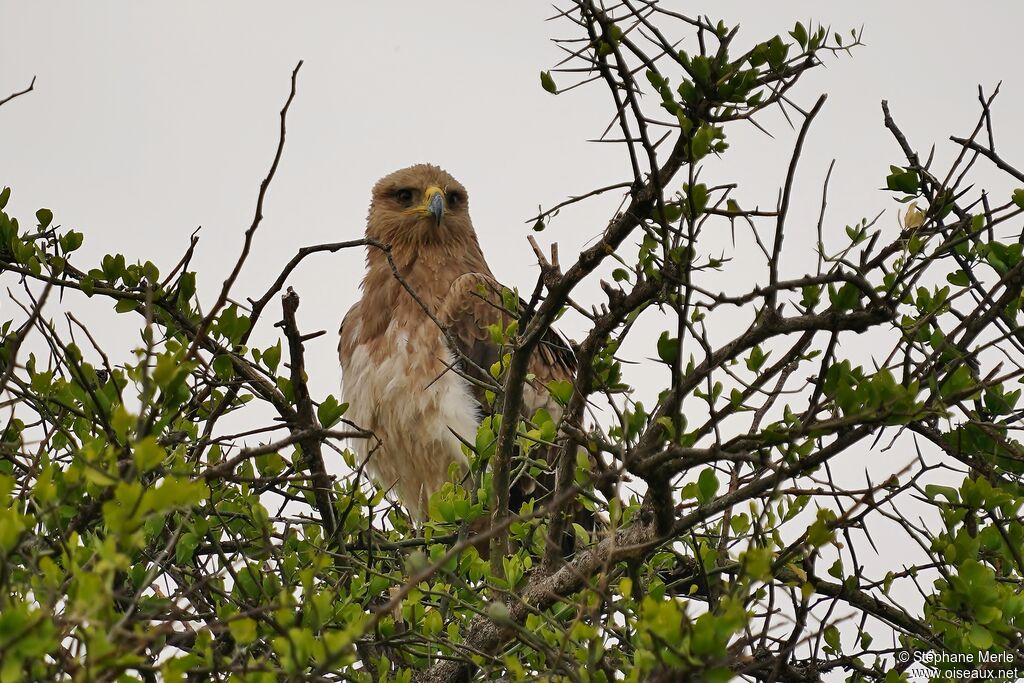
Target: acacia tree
(142, 538)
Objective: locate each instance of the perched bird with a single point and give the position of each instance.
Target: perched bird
(418, 389)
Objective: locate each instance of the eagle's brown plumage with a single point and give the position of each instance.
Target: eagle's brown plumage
(401, 375)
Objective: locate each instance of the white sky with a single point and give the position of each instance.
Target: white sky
(149, 120)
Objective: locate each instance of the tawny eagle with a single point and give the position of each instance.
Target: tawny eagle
(404, 378)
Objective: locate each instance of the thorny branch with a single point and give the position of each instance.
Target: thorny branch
(30, 88)
(233, 550)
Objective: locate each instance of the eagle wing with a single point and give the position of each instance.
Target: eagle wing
(476, 311)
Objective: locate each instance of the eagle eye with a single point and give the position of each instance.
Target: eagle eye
(454, 199)
(404, 196)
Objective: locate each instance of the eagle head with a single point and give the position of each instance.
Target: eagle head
(419, 205)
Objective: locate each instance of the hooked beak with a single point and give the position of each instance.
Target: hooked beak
(433, 203)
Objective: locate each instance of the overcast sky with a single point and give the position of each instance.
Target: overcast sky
(150, 120)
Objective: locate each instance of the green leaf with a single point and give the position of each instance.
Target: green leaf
(958, 382)
(272, 356)
(959, 278)
(902, 180)
(757, 563)
(1018, 198)
(148, 454)
(695, 199)
(756, 359)
(186, 286)
(933, 491)
(820, 532)
(231, 324)
(243, 630)
(832, 637)
(45, 217)
(270, 464)
(224, 366)
(285, 385)
(330, 411)
(45, 490)
(186, 547)
(740, 523)
(811, 296)
(856, 234)
(718, 675)
(70, 241)
(561, 390)
(176, 493)
(707, 139)
(4, 196)
(499, 613)
(846, 298)
(126, 305)
(668, 348)
(670, 214)
(121, 420)
(836, 570)
(98, 477)
(113, 267)
(485, 439)
(548, 83)
(707, 485)
(777, 51)
(165, 370)
(980, 637)
(799, 33)
(701, 67)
